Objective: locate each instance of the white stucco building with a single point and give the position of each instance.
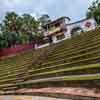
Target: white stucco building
(62, 29)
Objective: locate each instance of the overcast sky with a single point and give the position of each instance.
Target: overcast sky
(75, 9)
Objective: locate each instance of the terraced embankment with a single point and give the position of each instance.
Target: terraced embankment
(73, 62)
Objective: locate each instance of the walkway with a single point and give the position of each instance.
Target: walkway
(28, 98)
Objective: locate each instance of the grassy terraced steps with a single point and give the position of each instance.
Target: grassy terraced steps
(78, 39)
(87, 54)
(58, 79)
(82, 51)
(66, 52)
(8, 64)
(57, 67)
(63, 78)
(77, 70)
(79, 55)
(67, 71)
(75, 58)
(54, 72)
(78, 45)
(74, 52)
(66, 65)
(61, 66)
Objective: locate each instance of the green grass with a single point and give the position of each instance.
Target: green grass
(82, 78)
(83, 38)
(87, 54)
(26, 64)
(75, 51)
(91, 66)
(79, 46)
(63, 78)
(64, 64)
(57, 71)
(66, 56)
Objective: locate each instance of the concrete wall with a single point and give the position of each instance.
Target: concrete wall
(14, 50)
(85, 25)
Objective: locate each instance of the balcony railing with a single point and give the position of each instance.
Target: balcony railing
(54, 30)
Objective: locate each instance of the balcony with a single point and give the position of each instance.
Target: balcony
(54, 30)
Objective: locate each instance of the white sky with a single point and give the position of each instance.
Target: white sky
(75, 9)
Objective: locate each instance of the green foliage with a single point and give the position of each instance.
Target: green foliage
(3, 42)
(23, 38)
(29, 24)
(44, 19)
(10, 38)
(19, 24)
(94, 11)
(36, 36)
(19, 29)
(10, 22)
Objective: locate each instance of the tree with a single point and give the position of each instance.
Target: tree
(29, 24)
(3, 42)
(36, 37)
(10, 22)
(94, 11)
(10, 38)
(19, 29)
(22, 38)
(44, 19)
(19, 24)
